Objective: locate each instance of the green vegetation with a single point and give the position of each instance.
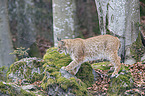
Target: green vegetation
(21, 52)
(55, 61)
(142, 8)
(101, 65)
(112, 86)
(10, 90)
(47, 73)
(34, 51)
(85, 74)
(137, 50)
(54, 58)
(120, 84)
(27, 68)
(2, 73)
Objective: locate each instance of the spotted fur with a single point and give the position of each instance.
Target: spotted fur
(83, 50)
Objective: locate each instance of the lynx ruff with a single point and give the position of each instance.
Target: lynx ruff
(83, 50)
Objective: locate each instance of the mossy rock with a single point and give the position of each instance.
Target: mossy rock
(120, 84)
(30, 69)
(11, 90)
(55, 80)
(101, 65)
(54, 58)
(85, 73)
(3, 73)
(137, 50)
(63, 86)
(117, 85)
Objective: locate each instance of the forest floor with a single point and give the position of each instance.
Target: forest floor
(138, 73)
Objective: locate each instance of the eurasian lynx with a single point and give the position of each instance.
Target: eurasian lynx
(83, 50)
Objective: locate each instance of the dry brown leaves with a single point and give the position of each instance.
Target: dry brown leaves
(101, 85)
(137, 71)
(43, 44)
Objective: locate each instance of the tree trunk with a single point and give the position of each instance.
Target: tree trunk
(30, 19)
(89, 17)
(6, 46)
(102, 14)
(26, 30)
(64, 19)
(121, 18)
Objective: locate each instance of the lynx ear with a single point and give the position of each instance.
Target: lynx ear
(62, 42)
(58, 39)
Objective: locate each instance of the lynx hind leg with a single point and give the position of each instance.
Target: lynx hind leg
(115, 60)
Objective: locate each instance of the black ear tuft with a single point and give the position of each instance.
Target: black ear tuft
(62, 42)
(58, 39)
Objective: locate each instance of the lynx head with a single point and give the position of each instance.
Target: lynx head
(61, 46)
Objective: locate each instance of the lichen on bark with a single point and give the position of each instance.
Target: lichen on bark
(121, 18)
(64, 19)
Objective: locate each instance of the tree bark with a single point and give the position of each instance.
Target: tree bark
(6, 46)
(121, 18)
(89, 17)
(30, 19)
(26, 30)
(64, 19)
(102, 14)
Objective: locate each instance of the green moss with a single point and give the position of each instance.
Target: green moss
(3, 70)
(79, 88)
(137, 50)
(34, 51)
(142, 8)
(53, 57)
(101, 65)
(7, 89)
(63, 82)
(120, 84)
(28, 69)
(37, 77)
(55, 61)
(25, 93)
(49, 72)
(55, 74)
(85, 74)
(50, 81)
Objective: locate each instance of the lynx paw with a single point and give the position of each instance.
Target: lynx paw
(64, 68)
(70, 71)
(114, 75)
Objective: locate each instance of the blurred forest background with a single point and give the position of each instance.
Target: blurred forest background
(30, 24)
(29, 28)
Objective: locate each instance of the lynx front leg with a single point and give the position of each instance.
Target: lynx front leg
(73, 67)
(75, 70)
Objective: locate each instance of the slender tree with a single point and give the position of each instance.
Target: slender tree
(64, 19)
(121, 18)
(6, 46)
